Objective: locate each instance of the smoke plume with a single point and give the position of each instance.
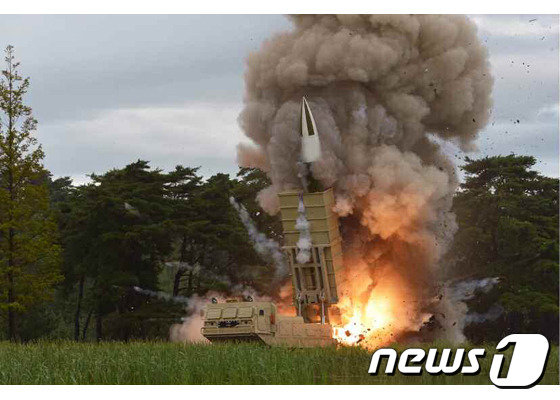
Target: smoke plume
(380, 87)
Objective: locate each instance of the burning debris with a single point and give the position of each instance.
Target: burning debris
(380, 87)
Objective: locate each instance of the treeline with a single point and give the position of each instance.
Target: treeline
(139, 227)
(78, 262)
(142, 228)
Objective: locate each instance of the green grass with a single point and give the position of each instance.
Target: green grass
(169, 363)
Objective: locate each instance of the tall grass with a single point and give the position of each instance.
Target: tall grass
(228, 363)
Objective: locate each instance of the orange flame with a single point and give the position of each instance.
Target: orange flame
(368, 325)
(374, 312)
(375, 306)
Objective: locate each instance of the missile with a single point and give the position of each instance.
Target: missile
(310, 148)
(310, 144)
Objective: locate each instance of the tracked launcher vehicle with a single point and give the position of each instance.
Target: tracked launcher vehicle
(314, 283)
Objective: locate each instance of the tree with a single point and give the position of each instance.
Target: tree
(159, 231)
(250, 181)
(189, 224)
(508, 227)
(29, 253)
(210, 236)
(117, 237)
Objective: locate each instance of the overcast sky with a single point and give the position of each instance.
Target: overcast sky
(108, 90)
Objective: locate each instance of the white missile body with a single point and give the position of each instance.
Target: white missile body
(310, 144)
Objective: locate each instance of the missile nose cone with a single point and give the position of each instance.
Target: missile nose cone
(308, 127)
(310, 144)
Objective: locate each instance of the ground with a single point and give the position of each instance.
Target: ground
(172, 363)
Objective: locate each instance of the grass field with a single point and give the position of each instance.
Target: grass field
(169, 363)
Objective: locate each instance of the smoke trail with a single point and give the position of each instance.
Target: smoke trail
(265, 247)
(304, 241)
(465, 290)
(380, 86)
(162, 295)
(182, 266)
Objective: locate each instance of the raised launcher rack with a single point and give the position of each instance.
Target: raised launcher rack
(314, 283)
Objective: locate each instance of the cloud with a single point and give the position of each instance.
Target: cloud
(193, 134)
(524, 61)
(84, 63)
(517, 25)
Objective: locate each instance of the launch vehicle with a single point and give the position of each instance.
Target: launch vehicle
(314, 284)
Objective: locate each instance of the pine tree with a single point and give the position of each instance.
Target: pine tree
(508, 228)
(29, 253)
